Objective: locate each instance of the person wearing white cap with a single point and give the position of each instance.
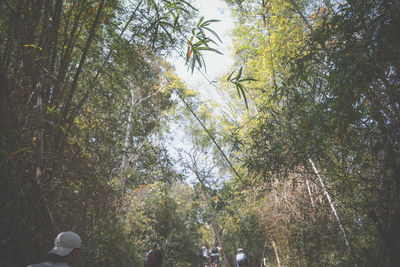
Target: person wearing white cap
(241, 259)
(64, 252)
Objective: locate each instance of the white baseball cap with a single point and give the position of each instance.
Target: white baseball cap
(65, 242)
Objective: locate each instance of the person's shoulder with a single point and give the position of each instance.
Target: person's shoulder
(42, 264)
(49, 264)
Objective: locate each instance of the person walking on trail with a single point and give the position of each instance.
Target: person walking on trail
(241, 259)
(204, 255)
(64, 252)
(154, 257)
(214, 256)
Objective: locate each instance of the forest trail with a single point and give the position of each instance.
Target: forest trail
(294, 158)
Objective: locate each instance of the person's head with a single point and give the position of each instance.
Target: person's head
(240, 250)
(66, 247)
(154, 245)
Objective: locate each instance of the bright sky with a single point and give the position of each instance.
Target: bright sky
(217, 65)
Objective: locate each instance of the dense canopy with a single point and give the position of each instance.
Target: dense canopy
(297, 161)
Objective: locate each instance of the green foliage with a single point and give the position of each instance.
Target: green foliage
(85, 104)
(83, 88)
(170, 220)
(199, 42)
(238, 82)
(327, 74)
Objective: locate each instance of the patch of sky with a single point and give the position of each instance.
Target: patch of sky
(205, 82)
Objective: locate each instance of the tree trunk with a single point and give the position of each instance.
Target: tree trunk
(276, 254)
(127, 134)
(309, 192)
(326, 193)
(211, 136)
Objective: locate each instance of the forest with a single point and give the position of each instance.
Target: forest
(297, 160)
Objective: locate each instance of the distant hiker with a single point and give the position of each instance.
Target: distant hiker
(204, 255)
(214, 256)
(241, 259)
(264, 262)
(66, 247)
(153, 257)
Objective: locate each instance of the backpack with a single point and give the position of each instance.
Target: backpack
(147, 257)
(214, 256)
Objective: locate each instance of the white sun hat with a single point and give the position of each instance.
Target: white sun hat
(65, 242)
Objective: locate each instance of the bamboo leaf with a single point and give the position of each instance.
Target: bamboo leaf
(213, 33)
(230, 75)
(200, 21)
(209, 49)
(34, 46)
(189, 54)
(186, 3)
(244, 96)
(189, 49)
(208, 22)
(237, 88)
(248, 79)
(239, 73)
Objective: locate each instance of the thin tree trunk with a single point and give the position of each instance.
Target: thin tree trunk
(309, 192)
(211, 136)
(276, 254)
(39, 159)
(326, 193)
(65, 56)
(54, 34)
(129, 127)
(127, 134)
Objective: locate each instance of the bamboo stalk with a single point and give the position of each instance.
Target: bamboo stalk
(326, 193)
(276, 254)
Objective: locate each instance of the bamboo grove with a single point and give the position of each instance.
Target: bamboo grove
(320, 138)
(83, 92)
(297, 162)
